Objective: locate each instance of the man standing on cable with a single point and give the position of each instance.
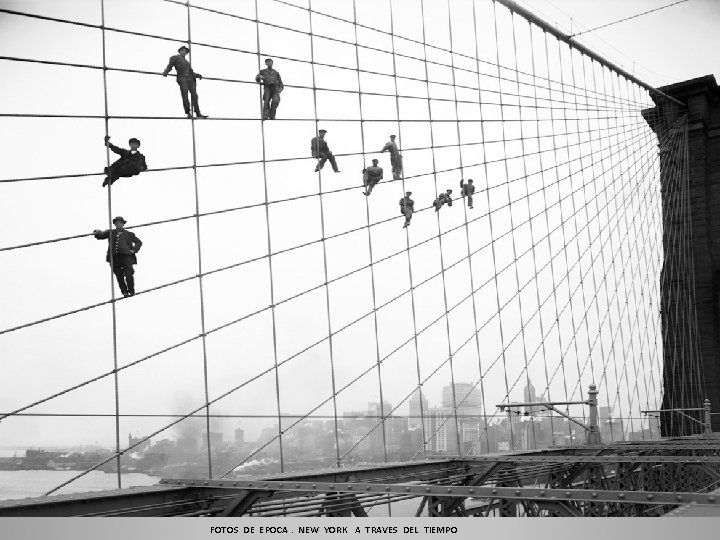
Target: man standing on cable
(371, 176)
(467, 190)
(186, 80)
(272, 85)
(320, 150)
(407, 206)
(124, 245)
(443, 198)
(131, 161)
(395, 157)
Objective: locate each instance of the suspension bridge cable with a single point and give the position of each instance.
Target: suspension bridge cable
(411, 283)
(630, 253)
(467, 341)
(148, 437)
(550, 329)
(280, 160)
(213, 46)
(467, 237)
(273, 315)
(370, 243)
(326, 287)
(439, 229)
(299, 294)
(626, 18)
(111, 258)
(390, 414)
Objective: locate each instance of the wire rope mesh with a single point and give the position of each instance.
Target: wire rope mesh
(320, 332)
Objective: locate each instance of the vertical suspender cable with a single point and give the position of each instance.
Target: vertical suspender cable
(270, 262)
(547, 221)
(465, 209)
(467, 236)
(407, 240)
(544, 195)
(566, 278)
(527, 198)
(575, 326)
(442, 263)
(603, 174)
(497, 290)
(324, 246)
(370, 250)
(110, 251)
(200, 274)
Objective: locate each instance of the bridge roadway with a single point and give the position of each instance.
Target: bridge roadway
(664, 477)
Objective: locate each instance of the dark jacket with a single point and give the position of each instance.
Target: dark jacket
(467, 189)
(121, 242)
(373, 174)
(182, 68)
(406, 203)
(127, 157)
(270, 77)
(318, 147)
(443, 198)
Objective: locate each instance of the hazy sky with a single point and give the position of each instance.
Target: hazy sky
(569, 220)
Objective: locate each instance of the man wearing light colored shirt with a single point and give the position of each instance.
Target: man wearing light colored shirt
(395, 157)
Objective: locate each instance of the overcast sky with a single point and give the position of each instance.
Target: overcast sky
(585, 191)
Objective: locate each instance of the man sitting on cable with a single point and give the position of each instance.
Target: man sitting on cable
(131, 162)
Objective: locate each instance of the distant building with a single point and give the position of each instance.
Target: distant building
(216, 440)
(132, 441)
(442, 431)
(239, 436)
(418, 409)
(530, 396)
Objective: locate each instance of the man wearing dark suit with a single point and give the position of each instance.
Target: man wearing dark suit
(123, 245)
(186, 80)
(272, 86)
(131, 161)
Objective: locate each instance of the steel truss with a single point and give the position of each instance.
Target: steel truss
(596, 480)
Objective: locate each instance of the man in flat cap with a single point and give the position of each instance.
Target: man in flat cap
(371, 176)
(395, 157)
(320, 150)
(272, 86)
(468, 190)
(131, 161)
(122, 247)
(443, 198)
(185, 77)
(407, 206)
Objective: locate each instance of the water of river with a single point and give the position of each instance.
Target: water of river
(21, 484)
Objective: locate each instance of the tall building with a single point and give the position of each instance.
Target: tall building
(530, 396)
(216, 440)
(459, 417)
(418, 409)
(239, 435)
(442, 431)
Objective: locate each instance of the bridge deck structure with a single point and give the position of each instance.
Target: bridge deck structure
(623, 479)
